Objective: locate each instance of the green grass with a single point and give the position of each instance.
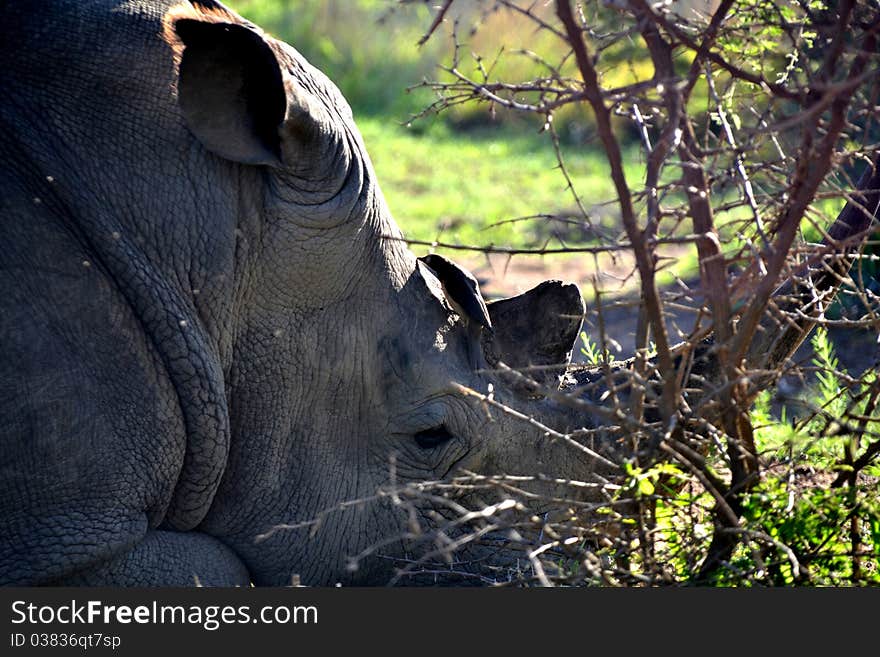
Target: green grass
(465, 188)
(819, 522)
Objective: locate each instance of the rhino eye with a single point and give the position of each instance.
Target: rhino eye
(433, 437)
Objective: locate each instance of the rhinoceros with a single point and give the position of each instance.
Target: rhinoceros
(210, 325)
(211, 329)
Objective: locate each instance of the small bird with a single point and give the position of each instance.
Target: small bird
(462, 291)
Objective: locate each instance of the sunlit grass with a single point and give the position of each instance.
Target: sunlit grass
(466, 188)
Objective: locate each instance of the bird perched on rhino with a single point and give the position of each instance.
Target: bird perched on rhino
(462, 292)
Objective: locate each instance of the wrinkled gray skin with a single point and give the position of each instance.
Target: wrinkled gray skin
(205, 331)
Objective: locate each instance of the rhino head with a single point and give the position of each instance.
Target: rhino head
(349, 361)
(213, 331)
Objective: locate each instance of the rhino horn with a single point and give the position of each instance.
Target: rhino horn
(536, 331)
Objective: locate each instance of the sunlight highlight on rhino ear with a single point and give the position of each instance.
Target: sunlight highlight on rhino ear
(213, 13)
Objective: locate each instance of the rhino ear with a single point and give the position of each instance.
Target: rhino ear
(230, 87)
(538, 327)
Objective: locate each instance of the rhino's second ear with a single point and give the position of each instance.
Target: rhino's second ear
(538, 327)
(230, 88)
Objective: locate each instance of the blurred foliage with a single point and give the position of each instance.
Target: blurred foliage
(367, 47)
(370, 49)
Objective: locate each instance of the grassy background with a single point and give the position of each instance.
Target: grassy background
(466, 188)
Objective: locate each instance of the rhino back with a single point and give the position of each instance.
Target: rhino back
(117, 290)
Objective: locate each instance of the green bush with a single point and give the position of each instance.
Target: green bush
(808, 527)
